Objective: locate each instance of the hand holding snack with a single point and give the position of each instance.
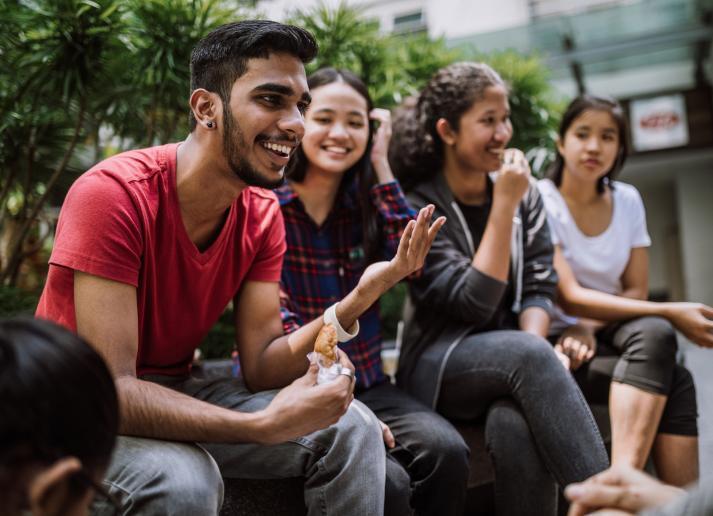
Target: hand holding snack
(327, 356)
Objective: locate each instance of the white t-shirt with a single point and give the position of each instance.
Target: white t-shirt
(598, 262)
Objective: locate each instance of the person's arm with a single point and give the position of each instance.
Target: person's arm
(691, 319)
(535, 320)
(106, 314)
(270, 359)
(635, 278)
(539, 279)
(493, 254)
(386, 196)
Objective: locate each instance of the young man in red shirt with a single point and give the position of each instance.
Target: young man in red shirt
(152, 245)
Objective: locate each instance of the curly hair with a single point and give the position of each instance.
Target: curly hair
(416, 150)
(578, 106)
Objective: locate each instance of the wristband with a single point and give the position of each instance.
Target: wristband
(330, 317)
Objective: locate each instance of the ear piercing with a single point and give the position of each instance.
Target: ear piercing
(209, 124)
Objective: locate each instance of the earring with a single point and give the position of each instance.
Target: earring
(209, 124)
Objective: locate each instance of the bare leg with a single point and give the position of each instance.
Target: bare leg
(635, 416)
(676, 458)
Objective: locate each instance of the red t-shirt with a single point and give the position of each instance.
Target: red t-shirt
(121, 220)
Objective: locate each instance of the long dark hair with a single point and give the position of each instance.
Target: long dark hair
(57, 399)
(361, 174)
(416, 150)
(578, 106)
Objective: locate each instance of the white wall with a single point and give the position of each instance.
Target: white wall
(456, 18)
(451, 18)
(695, 205)
(383, 10)
(665, 252)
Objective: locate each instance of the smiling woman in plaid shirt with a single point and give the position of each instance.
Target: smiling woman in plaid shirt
(344, 210)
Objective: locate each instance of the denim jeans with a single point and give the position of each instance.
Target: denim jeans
(343, 465)
(429, 461)
(539, 429)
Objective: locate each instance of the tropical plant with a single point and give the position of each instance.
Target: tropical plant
(50, 76)
(393, 67)
(80, 80)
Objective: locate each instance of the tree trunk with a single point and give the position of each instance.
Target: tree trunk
(16, 255)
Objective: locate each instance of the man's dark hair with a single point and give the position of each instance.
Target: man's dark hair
(221, 57)
(57, 399)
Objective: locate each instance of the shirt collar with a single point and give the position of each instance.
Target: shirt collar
(346, 198)
(285, 194)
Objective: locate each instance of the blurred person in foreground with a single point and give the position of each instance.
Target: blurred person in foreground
(623, 490)
(58, 420)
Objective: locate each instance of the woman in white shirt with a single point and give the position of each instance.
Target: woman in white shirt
(605, 325)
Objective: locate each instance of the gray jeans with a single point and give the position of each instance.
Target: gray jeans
(343, 465)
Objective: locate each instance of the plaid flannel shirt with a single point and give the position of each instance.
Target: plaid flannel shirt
(323, 264)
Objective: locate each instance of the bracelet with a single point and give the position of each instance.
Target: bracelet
(330, 317)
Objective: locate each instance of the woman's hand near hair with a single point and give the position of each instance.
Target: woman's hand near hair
(380, 145)
(694, 320)
(513, 179)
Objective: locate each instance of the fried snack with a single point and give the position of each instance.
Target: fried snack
(326, 343)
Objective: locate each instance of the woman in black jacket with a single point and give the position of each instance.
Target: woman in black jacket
(474, 344)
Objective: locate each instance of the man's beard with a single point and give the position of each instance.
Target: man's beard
(235, 148)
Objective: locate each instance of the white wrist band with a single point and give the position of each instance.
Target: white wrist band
(330, 317)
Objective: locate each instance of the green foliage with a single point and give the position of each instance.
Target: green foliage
(14, 301)
(69, 68)
(392, 66)
(159, 38)
(395, 67)
(392, 304)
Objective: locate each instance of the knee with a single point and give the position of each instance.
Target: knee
(185, 478)
(505, 426)
(655, 338)
(535, 353)
(360, 425)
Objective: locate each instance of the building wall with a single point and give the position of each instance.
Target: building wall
(695, 211)
(665, 277)
(465, 17)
